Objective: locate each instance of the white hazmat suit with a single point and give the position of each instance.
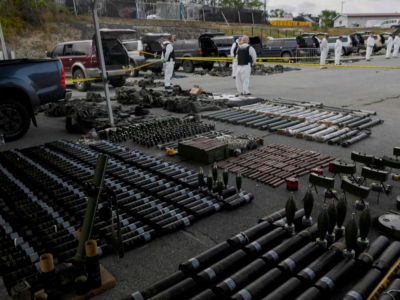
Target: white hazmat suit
(243, 72)
(324, 52)
(169, 63)
(234, 49)
(338, 51)
(389, 46)
(370, 47)
(396, 46)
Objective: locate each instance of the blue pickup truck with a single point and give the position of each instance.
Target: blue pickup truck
(224, 44)
(25, 84)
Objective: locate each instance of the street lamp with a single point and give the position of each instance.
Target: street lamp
(3, 42)
(342, 7)
(100, 58)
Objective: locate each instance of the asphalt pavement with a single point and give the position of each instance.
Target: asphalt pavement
(359, 88)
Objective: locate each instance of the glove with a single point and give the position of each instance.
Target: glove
(163, 61)
(233, 57)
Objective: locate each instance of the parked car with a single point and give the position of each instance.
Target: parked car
(285, 48)
(146, 50)
(390, 23)
(379, 40)
(311, 40)
(358, 40)
(201, 47)
(224, 45)
(347, 44)
(26, 84)
(79, 59)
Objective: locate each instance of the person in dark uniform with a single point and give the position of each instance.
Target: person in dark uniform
(234, 50)
(247, 57)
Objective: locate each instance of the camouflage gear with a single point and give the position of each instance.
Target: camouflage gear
(147, 81)
(129, 95)
(257, 69)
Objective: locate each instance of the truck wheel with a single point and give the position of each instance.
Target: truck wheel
(188, 66)
(82, 86)
(118, 83)
(14, 119)
(224, 64)
(286, 57)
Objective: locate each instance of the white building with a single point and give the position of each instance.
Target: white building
(347, 20)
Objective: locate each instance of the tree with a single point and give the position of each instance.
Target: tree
(280, 13)
(241, 4)
(327, 17)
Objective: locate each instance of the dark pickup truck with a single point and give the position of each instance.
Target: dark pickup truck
(25, 84)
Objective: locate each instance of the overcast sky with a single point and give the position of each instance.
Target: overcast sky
(350, 6)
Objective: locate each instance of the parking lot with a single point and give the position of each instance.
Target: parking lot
(358, 87)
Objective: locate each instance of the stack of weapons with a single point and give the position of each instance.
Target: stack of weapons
(271, 261)
(35, 218)
(322, 124)
(275, 163)
(208, 135)
(157, 132)
(43, 201)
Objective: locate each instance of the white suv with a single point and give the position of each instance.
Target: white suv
(347, 42)
(144, 51)
(390, 23)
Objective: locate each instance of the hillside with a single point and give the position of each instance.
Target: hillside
(33, 41)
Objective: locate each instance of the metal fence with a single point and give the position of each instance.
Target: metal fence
(142, 9)
(311, 55)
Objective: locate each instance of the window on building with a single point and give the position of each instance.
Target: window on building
(340, 22)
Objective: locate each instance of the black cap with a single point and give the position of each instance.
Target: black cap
(340, 37)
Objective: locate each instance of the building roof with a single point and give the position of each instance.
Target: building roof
(386, 15)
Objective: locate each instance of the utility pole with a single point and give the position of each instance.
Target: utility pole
(100, 58)
(342, 7)
(3, 42)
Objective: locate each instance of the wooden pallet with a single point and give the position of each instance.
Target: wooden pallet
(108, 282)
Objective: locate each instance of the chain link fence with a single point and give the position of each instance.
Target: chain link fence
(166, 11)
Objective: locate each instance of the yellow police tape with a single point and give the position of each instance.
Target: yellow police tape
(118, 74)
(221, 57)
(335, 66)
(216, 59)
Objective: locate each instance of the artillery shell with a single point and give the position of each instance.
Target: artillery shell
(338, 274)
(388, 257)
(224, 266)
(206, 258)
(157, 287)
(365, 286)
(372, 252)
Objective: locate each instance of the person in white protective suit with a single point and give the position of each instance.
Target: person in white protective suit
(324, 51)
(168, 57)
(247, 57)
(396, 45)
(234, 50)
(370, 47)
(338, 50)
(389, 46)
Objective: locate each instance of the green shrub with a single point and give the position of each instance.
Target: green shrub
(17, 15)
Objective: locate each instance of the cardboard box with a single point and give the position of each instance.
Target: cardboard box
(196, 90)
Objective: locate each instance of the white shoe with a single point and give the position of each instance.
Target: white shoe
(367, 60)
(394, 57)
(387, 57)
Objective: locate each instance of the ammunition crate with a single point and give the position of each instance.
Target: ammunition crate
(204, 150)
